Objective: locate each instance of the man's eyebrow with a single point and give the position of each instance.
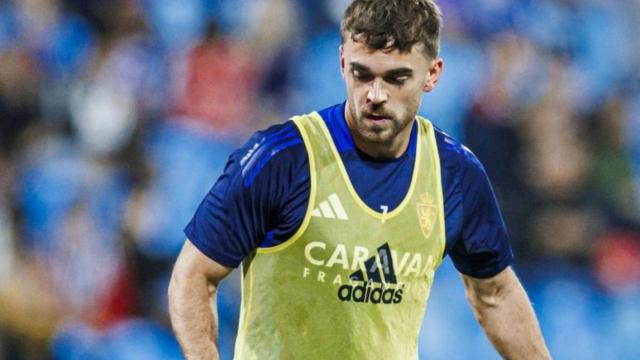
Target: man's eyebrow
(358, 66)
(393, 72)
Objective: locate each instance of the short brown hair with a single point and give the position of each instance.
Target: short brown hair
(394, 24)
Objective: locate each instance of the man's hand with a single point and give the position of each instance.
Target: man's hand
(503, 310)
(192, 303)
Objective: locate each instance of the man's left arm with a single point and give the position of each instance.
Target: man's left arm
(504, 311)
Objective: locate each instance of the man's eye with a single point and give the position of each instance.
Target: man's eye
(398, 80)
(359, 75)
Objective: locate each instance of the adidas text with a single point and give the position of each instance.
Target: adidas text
(369, 294)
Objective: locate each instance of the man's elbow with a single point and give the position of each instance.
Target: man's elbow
(184, 278)
(484, 299)
(487, 293)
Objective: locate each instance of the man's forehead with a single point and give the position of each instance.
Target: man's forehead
(359, 52)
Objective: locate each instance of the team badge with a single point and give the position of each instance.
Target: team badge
(427, 211)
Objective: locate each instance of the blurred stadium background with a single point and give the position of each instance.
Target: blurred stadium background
(117, 116)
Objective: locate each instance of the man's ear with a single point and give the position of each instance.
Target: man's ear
(435, 70)
(342, 60)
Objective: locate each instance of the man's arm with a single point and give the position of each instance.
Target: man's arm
(192, 305)
(502, 308)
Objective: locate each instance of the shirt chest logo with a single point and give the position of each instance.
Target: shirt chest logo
(427, 211)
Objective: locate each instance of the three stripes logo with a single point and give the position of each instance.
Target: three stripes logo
(330, 209)
(372, 288)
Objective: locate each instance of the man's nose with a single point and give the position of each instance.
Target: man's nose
(376, 93)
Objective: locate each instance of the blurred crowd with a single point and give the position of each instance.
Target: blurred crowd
(116, 117)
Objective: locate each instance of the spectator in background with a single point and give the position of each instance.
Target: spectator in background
(215, 86)
(117, 93)
(20, 87)
(610, 180)
(557, 159)
(492, 127)
(611, 188)
(58, 44)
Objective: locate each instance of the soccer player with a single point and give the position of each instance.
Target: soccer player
(341, 217)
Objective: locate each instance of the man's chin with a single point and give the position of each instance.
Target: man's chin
(382, 136)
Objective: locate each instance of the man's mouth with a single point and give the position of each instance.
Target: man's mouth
(375, 117)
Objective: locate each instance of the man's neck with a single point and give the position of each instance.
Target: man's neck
(391, 150)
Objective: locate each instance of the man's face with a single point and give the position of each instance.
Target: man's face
(384, 89)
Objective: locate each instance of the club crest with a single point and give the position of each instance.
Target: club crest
(427, 211)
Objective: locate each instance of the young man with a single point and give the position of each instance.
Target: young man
(340, 218)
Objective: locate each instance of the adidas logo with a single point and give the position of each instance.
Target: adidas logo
(368, 291)
(330, 209)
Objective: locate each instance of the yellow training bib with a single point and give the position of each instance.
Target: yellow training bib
(353, 282)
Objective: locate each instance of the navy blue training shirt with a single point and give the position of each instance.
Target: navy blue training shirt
(261, 198)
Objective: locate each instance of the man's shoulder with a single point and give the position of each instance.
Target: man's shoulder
(283, 138)
(455, 157)
(272, 136)
(277, 147)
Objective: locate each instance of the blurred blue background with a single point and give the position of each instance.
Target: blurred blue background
(117, 116)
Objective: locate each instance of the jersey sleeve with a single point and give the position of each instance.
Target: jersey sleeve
(482, 248)
(247, 200)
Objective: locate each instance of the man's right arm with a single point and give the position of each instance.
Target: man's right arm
(192, 305)
(255, 202)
